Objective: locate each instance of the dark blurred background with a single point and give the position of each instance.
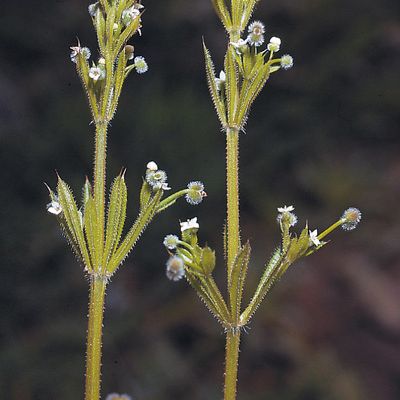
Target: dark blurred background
(322, 136)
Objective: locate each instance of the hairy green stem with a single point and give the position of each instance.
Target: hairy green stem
(232, 179)
(95, 327)
(233, 245)
(231, 364)
(100, 176)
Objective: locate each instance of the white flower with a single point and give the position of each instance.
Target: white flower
(157, 179)
(75, 50)
(92, 8)
(152, 166)
(220, 82)
(286, 61)
(314, 238)
(97, 73)
(285, 209)
(240, 46)
(140, 65)
(274, 44)
(196, 193)
(54, 207)
(189, 224)
(165, 186)
(129, 15)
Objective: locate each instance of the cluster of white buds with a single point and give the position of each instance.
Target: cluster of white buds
(195, 193)
(190, 224)
(255, 37)
(131, 13)
(285, 214)
(155, 177)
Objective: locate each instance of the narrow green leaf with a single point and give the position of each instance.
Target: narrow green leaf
(212, 86)
(247, 97)
(231, 87)
(223, 13)
(110, 20)
(248, 11)
(100, 26)
(126, 34)
(145, 194)
(134, 233)
(237, 280)
(91, 232)
(115, 217)
(118, 82)
(73, 219)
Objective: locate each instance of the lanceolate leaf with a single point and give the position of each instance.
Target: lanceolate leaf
(91, 231)
(133, 235)
(218, 102)
(73, 219)
(267, 280)
(248, 11)
(223, 13)
(231, 87)
(248, 96)
(119, 80)
(116, 217)
(100, 25)
(237, 280)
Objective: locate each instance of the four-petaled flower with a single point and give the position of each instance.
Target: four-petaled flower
(314, 238)
(189, 224)
(285, 209)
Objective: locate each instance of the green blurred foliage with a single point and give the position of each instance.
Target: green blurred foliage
(322, 136)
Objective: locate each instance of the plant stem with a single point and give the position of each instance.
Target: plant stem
(231, 364)
(232, 179)
(233, 245)
(94, 337)
(100, 176)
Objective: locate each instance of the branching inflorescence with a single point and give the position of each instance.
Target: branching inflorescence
(247, 67)
(95, 234)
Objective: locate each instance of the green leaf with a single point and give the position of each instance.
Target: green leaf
(134, 233)
(237, 280)
(118, 82)
(100, 26)
(73, 219)
(231, 87)
(126, 34)
(212, 86)
(115, 217)
(207, 260)
(223, 13)
(92, 233)
(249, 94)
(267, 280)
(86, 192)
(145, 194)
(248, 11)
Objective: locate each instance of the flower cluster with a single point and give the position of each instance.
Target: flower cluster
(188, 258)
(256, 38)
(155, 177)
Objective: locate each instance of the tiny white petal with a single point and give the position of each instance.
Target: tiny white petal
(54, 208)
(189, 224)
(285, 209)
(152, 166)
(314, 238)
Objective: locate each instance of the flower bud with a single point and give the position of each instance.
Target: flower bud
(175, 268)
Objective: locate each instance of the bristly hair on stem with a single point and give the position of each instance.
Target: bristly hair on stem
(95, 231)
(246, 70)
